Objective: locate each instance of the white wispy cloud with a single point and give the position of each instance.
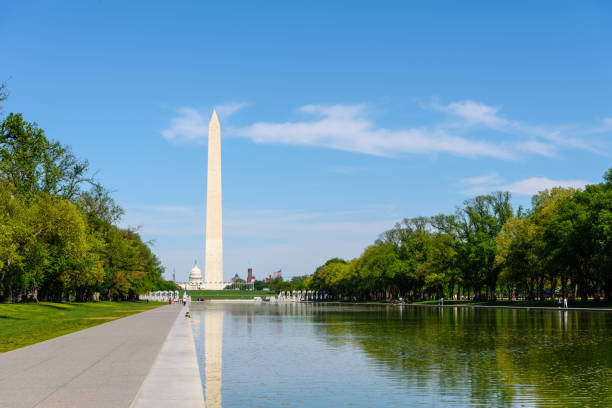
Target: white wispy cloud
(350, 127)
(534, 185)
(191, 125)
(474, 113)
(227, 110)
(540, 148)
(536, 139)
(488, 179)
(605, 127)
(528, 187)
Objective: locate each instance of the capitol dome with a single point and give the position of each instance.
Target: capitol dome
(196, 274)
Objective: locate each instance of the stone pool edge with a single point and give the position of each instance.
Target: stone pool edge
(242, 301)
(573, 309)
(174, 377)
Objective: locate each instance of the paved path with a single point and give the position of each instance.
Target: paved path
(174, 379)
(103, 366)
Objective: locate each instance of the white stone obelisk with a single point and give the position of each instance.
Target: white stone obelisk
(213, 269)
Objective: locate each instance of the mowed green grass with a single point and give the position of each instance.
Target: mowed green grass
(29, 323)
(228, 294)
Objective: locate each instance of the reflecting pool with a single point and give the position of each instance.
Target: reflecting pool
(308, 355)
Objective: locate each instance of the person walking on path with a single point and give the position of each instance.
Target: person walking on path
(565, 302)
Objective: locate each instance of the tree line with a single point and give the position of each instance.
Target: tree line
(562, 246)
(59, 238)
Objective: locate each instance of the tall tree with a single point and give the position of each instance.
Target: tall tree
(478, 223)
(33, 164)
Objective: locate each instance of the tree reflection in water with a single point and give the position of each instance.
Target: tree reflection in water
(496, 356)
(294, 354)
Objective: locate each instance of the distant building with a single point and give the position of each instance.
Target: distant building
(196, 275)
(277, 274)
(250, 277)
(195, 280)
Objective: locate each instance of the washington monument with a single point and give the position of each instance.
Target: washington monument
(213, 269)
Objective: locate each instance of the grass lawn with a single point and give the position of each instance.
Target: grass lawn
(24, 324)
(228, 294)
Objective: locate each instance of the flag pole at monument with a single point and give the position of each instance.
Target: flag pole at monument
(213, 268)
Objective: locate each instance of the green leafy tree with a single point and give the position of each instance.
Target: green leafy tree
(57, 241)
(33, 164)
(13, 233)
(519, 256)
(478, 223)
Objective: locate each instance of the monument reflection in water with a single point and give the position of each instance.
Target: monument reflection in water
(210, 321)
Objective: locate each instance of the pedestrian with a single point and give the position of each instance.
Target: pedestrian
(559, 302)
(565, 302)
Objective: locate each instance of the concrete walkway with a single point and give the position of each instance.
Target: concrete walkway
(174, 379)
(103, 366)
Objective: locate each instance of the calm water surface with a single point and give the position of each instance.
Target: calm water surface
(309, 355)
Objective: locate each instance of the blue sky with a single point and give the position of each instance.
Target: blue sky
(338, 118)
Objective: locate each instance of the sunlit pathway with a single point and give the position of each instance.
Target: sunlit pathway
(174, 379)
(103, 366)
